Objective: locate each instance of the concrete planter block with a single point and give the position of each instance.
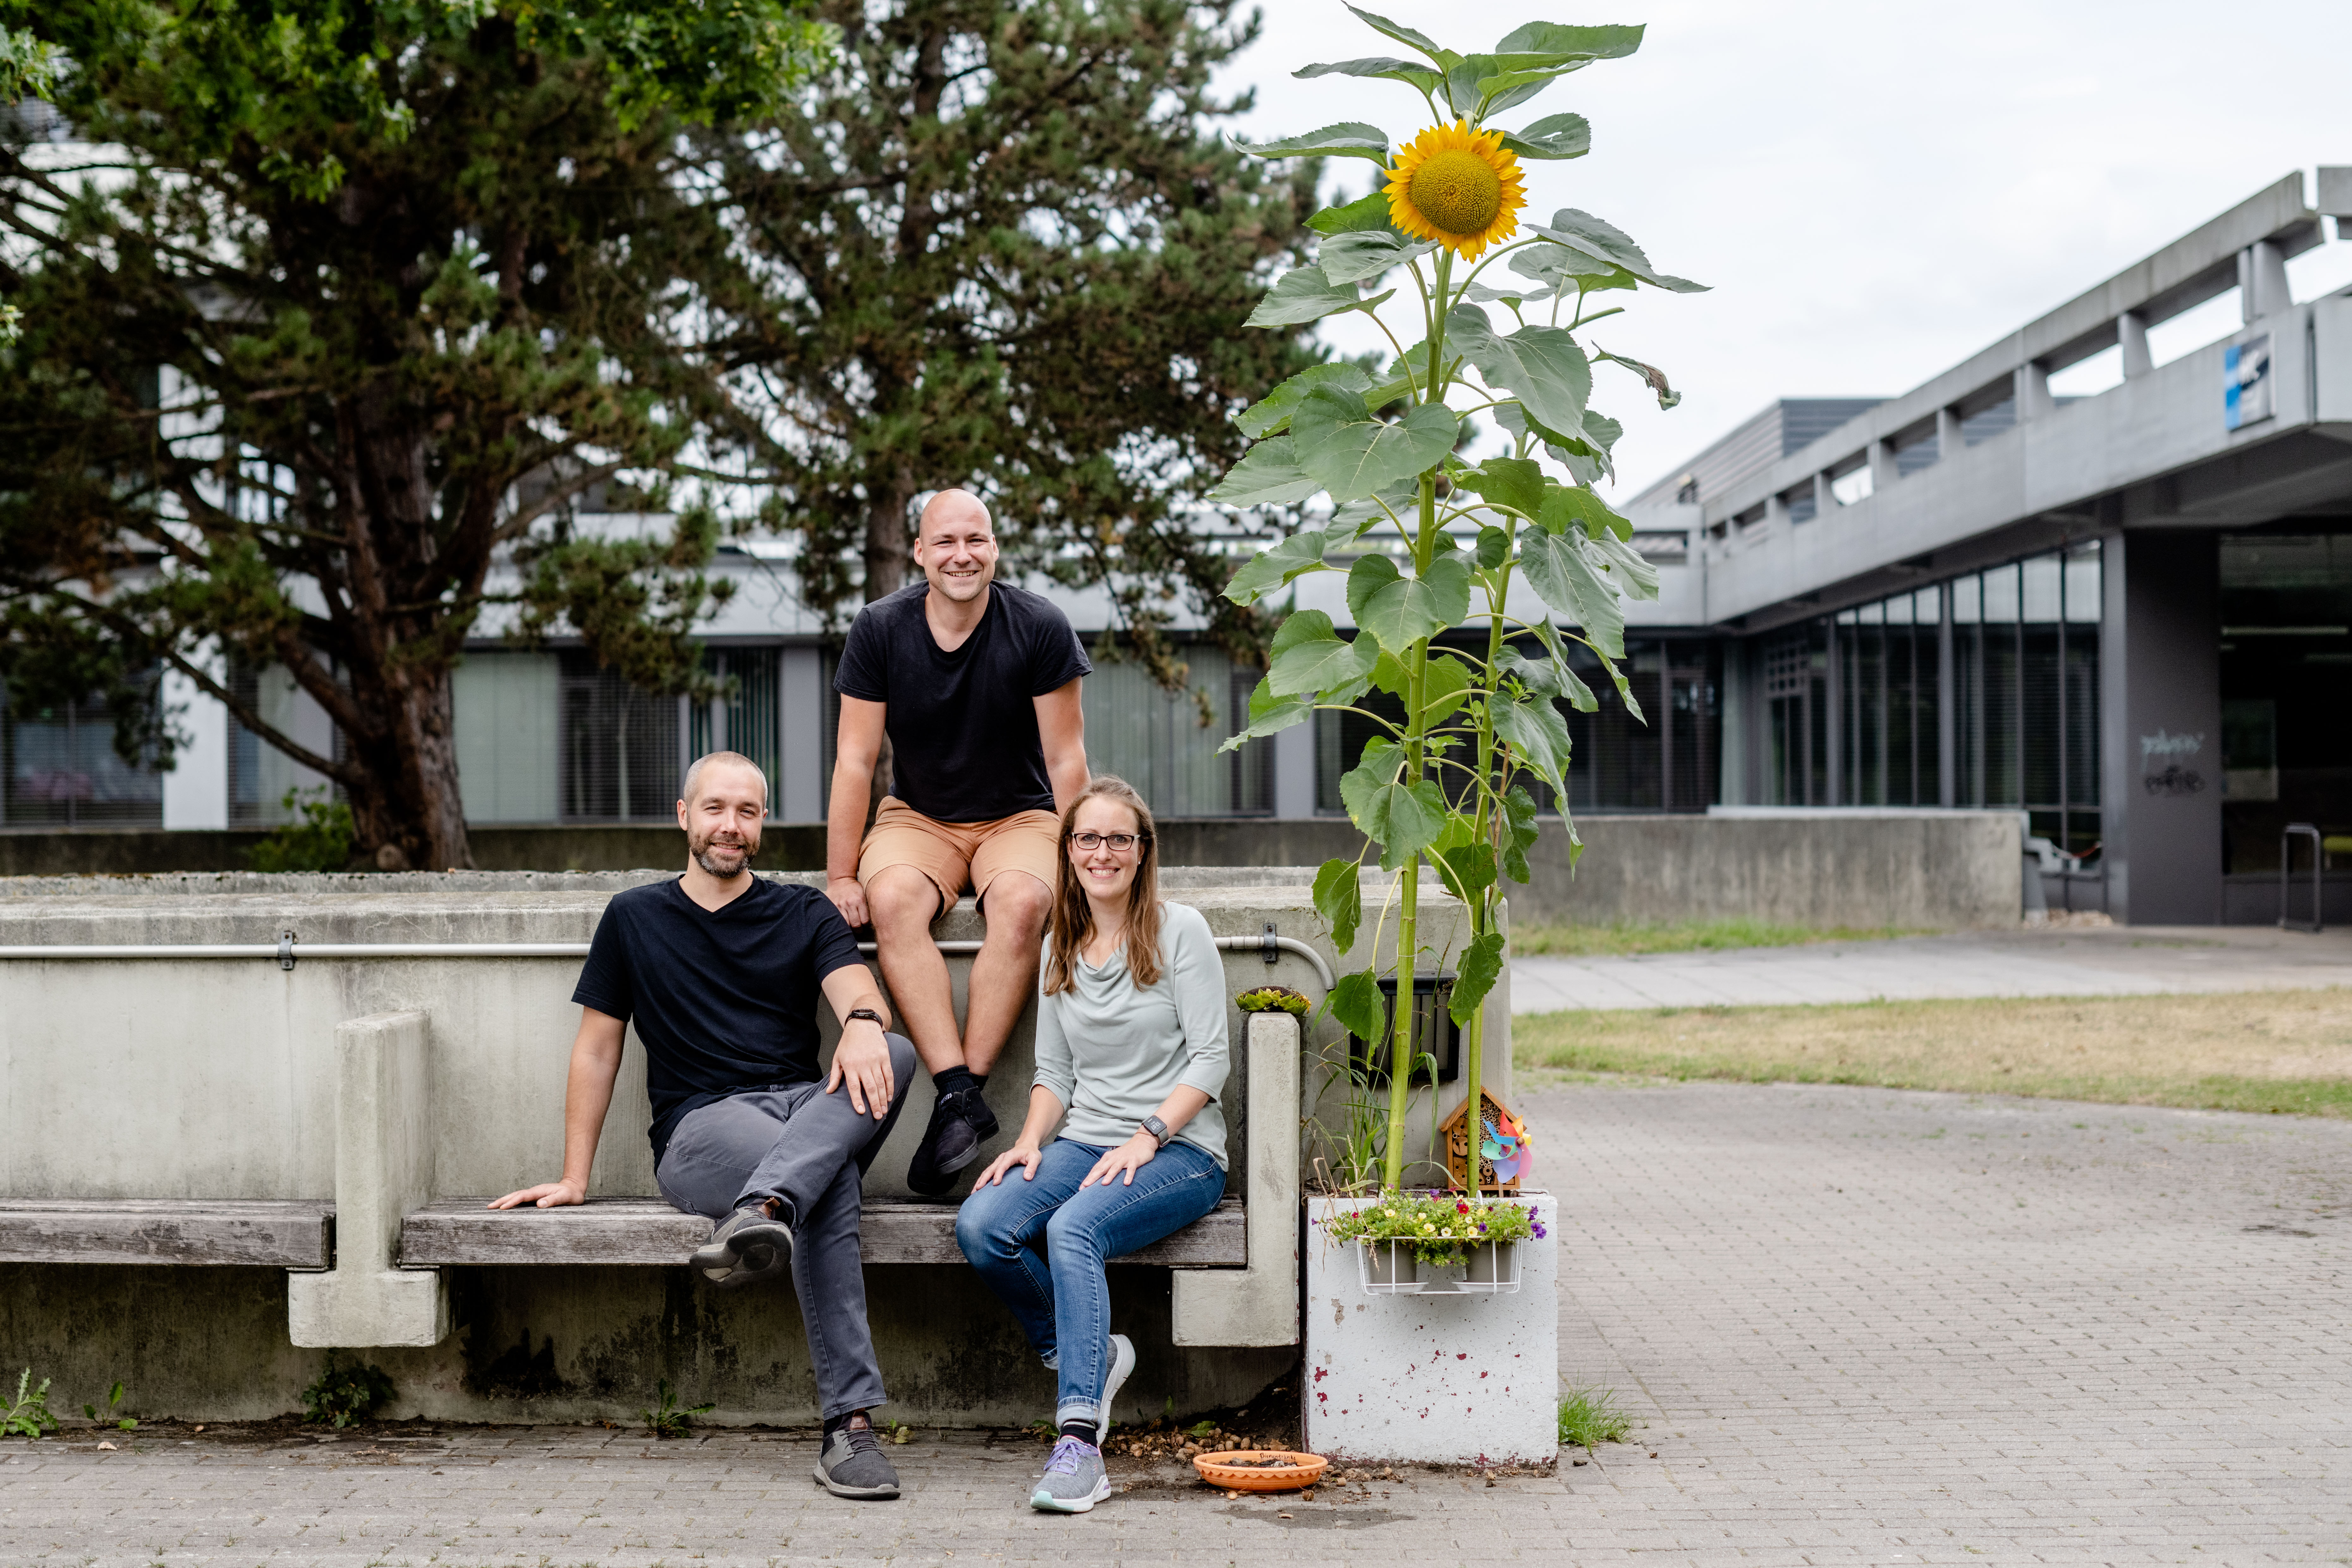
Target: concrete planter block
(1258, 1305)
(1448, 1377)
(384, 1168)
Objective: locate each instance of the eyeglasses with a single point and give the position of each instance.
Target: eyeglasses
(1119, 843)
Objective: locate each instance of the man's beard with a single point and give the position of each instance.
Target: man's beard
(709, 855)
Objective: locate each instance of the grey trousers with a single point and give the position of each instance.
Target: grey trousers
(809, 1151)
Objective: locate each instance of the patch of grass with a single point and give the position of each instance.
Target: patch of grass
(1619, 939)
(27, 1414)
(1590, 1414)
(671, 1419)
(343, 1395)
(2288, 1052)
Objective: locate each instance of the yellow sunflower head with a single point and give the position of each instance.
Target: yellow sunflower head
(1457, 186)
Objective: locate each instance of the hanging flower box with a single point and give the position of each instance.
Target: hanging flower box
(1410, 1243)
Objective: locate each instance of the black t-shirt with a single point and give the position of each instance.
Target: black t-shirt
(963, 725)
(725, 1001)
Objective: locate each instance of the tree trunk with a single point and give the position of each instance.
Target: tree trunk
(887, 543)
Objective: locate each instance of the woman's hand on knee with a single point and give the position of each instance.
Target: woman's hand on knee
(1026, 1155)
(1127, 1159)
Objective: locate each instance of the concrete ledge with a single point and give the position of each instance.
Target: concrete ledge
(647, 1232)
(259, 1233)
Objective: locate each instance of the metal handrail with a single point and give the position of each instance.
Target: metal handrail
(2292, 831)
(286, 949)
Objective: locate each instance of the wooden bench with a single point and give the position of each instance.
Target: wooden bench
(460, 1232)
(255, 1234)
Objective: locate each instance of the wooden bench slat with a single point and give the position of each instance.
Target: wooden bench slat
(247, 1233)
(648, 1232)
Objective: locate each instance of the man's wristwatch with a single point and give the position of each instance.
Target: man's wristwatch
(870, 1015)
(1158, 1129)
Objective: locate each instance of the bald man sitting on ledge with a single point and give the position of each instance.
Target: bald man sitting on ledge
(721, 971)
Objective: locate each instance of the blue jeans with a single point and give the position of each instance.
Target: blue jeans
(1062, 1298)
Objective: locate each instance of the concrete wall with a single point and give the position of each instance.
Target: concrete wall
(158, 1078)
(1944, 868)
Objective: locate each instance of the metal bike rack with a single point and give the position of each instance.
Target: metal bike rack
(2286, 861)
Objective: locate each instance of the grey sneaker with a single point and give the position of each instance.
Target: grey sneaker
(851, 1464)
(1122, 1367)
(1075, 1480)
(747, 1246)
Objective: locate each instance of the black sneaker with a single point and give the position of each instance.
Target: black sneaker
(960, 1123)
(747, 1246)
(851, 1464)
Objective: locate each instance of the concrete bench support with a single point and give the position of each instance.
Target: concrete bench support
(384, 1169)
(1256, 1304)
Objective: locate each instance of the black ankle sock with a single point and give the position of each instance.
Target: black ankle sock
(836, 1423)
(956, 1078)
(1084, 1431)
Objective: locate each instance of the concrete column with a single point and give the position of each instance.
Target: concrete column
(1883, 469)
(1949, 443)
(1824, 503)
(2032, 392)
(2160, 727)
(2262, 281)
(800, 737)
(1775, 510)
(1947, 734)
(1294, 771)
(1258, 1305)
(195, 791)
(2131, 331)
(384, 1169)
(1732, 785)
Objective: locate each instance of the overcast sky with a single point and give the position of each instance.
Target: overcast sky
(1876, 191)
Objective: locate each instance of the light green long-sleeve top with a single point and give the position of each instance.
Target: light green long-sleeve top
(1111, 1051)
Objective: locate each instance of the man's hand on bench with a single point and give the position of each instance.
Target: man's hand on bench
(546, 1195)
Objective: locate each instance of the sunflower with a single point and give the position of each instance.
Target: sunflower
(1457, 186)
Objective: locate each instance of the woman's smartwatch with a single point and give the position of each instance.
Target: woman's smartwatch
(1158, 1129)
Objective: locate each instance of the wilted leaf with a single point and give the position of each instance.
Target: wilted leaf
(1339, 899)
(1650, 373)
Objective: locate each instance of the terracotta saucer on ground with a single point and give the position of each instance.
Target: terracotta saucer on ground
(1230, 1471)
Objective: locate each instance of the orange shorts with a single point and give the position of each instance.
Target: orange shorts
(955, 855)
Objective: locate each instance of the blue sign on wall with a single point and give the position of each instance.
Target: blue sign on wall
(2246, 382)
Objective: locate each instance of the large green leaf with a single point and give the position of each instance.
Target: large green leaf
(1606, 242)
(1350, 520)
(1303, 294)
(1272, 413)
(1267, 474)
(1500, 85)
(1601, 43)
(1419, 78)
(1535, 730)
(1309, 656)
(1402, 819)
(1581, 505)
(1339, 899)
(1348, 139)
(1400, 610)
(1269, 713)
(1351, 453)
(1365, 213)
(1553, 136)
(1357, 1003)
(1565, 579)
(1405, 35)
(1541, 364)
(1580, 696)
(1469, 869)
(1475, 974)
(1513, 482)
(1444, 686)
(1277, 563)
(1520, 819)
(1366, 253)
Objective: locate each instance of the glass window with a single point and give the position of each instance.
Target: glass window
(622, 756)
(61, 770)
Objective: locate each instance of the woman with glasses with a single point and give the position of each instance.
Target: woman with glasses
(1131, 1056)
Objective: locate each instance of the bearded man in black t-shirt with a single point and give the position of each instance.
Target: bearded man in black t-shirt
(976, 684)
(720, 971)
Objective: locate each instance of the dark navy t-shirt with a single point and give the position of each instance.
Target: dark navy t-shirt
(963, 725)
(724, 1000)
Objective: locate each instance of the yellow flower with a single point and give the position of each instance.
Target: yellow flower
(1457, 186)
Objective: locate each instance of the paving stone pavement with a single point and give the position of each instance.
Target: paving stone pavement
(2025, 961)
(1857, 1326)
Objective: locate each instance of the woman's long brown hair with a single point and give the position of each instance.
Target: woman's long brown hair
(1073, 918)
